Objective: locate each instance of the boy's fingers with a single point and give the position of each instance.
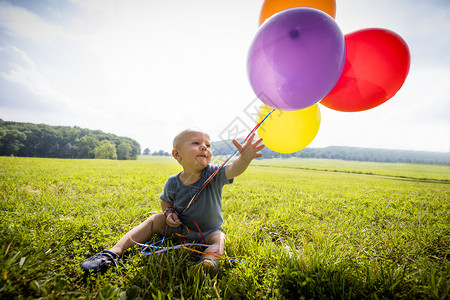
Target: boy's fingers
(258, 141)
(250, 139)
(260, 147)
(174, 223)
(237, 144)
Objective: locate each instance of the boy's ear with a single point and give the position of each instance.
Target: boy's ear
(176, 154)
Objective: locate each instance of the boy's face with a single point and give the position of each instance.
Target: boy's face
(193, 151)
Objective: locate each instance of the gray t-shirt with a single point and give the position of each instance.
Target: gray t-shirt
(207, 208)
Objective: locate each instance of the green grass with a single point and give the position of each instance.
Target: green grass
(303, 228)
(403, 170)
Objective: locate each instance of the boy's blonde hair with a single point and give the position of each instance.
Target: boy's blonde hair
(178, 139)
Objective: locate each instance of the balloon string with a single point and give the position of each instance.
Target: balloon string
(223, 164)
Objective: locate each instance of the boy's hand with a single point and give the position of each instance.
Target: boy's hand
(172, 220)
(250, 150)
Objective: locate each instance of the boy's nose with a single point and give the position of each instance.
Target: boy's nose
(203, 147)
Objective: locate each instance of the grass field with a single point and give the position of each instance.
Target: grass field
(301, 228)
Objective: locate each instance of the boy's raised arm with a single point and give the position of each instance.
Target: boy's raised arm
(248, 151)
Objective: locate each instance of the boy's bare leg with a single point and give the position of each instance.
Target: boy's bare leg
(155, 224)
(217, 248)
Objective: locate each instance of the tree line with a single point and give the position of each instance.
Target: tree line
(349, 153)
(155, 153)
(40, 140)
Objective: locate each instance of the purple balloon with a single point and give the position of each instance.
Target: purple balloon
(296, 58)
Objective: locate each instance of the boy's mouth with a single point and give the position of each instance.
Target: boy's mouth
(202, 156)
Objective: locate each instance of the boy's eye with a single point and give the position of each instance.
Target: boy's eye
(198, 143)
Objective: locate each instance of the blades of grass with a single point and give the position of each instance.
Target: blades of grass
(22, 261)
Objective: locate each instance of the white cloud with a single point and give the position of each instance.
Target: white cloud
(23, 84)
(19, 22)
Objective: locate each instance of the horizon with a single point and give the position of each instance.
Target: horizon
(154, 149)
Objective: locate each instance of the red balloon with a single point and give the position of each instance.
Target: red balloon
(376, 66)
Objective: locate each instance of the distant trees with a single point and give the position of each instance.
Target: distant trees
(348, 153)
(124, 151)
(375, 155)
(146, 151)
(40, 140)
(11, 141)
(106, 150)
(155, 153)
(86, 147)
(161, 153)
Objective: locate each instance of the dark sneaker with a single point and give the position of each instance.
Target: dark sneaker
(206, 265)
(100, 262)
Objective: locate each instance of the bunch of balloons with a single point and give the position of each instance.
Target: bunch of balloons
(299, 58)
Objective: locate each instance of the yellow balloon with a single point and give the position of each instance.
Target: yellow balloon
(289, 131)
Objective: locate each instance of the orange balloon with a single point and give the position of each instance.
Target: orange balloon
(271, 7)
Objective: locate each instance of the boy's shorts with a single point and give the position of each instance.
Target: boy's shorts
(191, 235)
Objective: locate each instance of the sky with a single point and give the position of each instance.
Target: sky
(149, 69)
